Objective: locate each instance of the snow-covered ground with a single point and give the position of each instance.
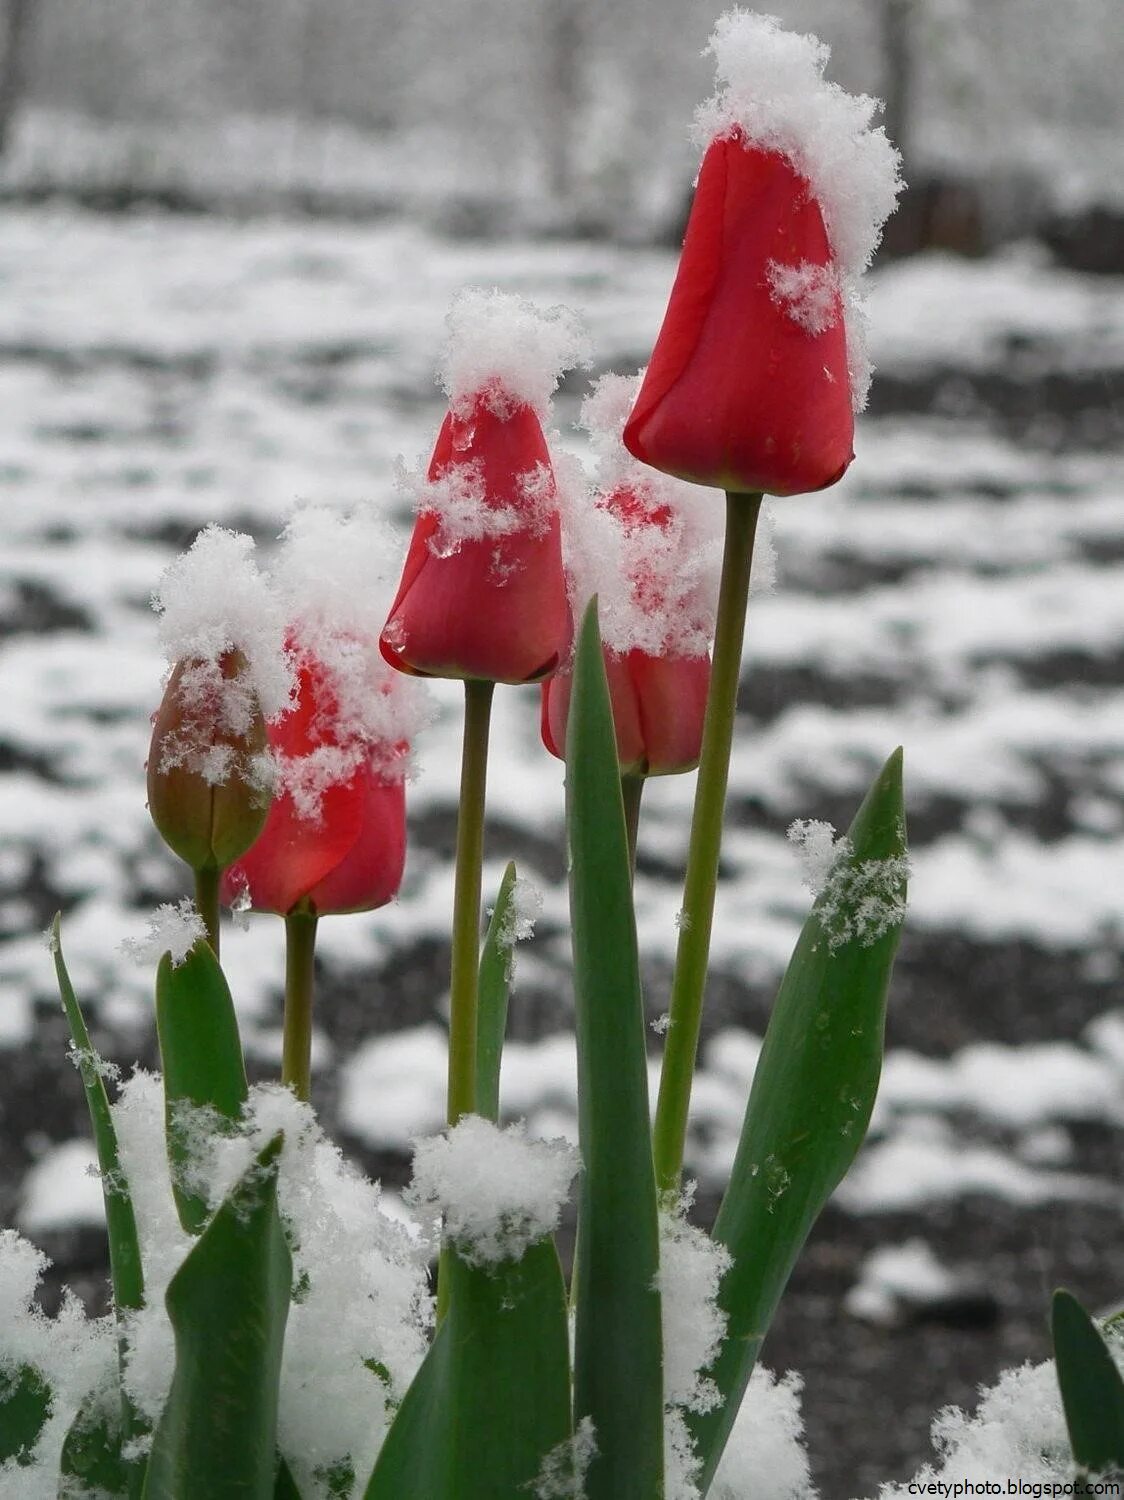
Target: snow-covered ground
(961, 593)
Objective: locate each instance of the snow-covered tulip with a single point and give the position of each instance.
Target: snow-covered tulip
(759, 364)
(335, 837)
(204, 785)
(483, 594)
(649, 548)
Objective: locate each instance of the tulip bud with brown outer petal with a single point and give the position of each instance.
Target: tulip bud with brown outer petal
(208, 738)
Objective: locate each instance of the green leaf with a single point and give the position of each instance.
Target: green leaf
(495, 984)
(813, 1090)
(91, 1450)
(25, 1400)
(121, 1224)
(492, 1396)
(228, 1304)
(201, 1058)
(618, 1357)
(1091, 1387)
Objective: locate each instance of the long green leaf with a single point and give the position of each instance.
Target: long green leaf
(25, 1400)
(813, 1090)
(121, 1224)
(126, 1273)
(201, 1059)
(1091, 1387)
(618, 1358)
(492, 1397)
(495, 985)
(228, 1304)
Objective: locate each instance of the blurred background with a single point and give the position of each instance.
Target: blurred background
(230, 232)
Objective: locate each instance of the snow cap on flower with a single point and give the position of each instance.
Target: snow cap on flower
(649, 546)
(335, 838)
(334, 575)
(772, 90)
(222, 628)
(214, 599)
(507, 350)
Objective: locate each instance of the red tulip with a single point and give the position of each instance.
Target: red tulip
(747, 388)
(335, 838)
(658, 707)
(483, 594)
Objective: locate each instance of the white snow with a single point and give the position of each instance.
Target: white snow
(771, 88)
(495, 1190)
(562, 1476)
(213, 599)
(895, 1276)
(174, 928)
(334, 573)
(765, 1458)
(503, 348)
(62, 1190)
(808, 293)
(1018, 1432)
(72, 1354)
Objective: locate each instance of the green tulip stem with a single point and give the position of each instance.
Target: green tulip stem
(207, 903)
(689, 981)
(632, 790)
(464, 979)
(296, 1045)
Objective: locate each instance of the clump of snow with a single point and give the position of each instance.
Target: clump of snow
(649, 546)
(497, 1191)
(334, 574)
(773, 93)
(562, 1476)
(661, 1025)
(807, 292)
(1018, 1432)
(212, 600)
(508, 351)
(464, 512)
(765, 1457)
(856, 901)
(174, 928)
(71, 1354)
(362, 1304)
(525, 905)
(772, 89)
(691, 1268)
(894, 1276)
(363, 1299)
(818, 848)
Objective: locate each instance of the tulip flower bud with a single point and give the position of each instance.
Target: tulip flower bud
(204, 786)
(658, 703)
